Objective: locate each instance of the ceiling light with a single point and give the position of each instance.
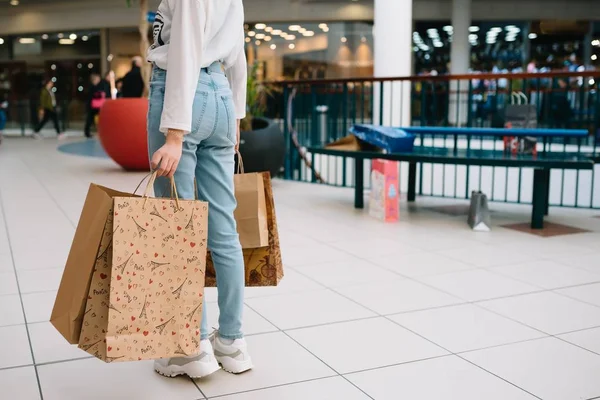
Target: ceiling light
(251, 33)
(276, 32)
(72, 36)
(290, 37)
(448, 28)
(80, 88)
(473, 29)
(66, 41)
(44, 36)
(438, 44)
(309, 33)
(85, 38)
(61, 35)
(53, 67)
(510, 39)
(273, 46)
(54, 89)
(54, 79)
(592, 81)
(269, 29)
(594, 57)
(496, 29)
(14, 2)
(295, 27)
(326, 29)
(258, 42)
(322, 25)
(110, 57)
(472, 36)
(292, 46)
(260, 36)
(90, 66)
(301, 30)
(532, 36)
(27, 40)
(248, 40)
(343, 39)
(267, 38)
(1, 41)
(596, 42)
(260, 26)
(363, 39)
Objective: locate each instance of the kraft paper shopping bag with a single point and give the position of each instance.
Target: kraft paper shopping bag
(69, 306)
(262, 265)
(146, 295)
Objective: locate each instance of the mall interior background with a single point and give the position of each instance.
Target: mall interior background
(67, 41)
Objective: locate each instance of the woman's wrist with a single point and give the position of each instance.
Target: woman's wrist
(174, 136)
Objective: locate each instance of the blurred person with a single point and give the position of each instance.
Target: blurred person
(48, 110)
(119, 88)
(197, 99)
(133, 83)
(109, 86)
(96, 98)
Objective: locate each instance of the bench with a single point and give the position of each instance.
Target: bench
(542, 163)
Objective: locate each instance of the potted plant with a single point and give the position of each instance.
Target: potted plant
(124, 120)
(262, 144)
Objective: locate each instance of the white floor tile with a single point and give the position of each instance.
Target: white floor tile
(11, 310)
(440, 378)
(253, 323)
(465, 327)
(19, 384)
(277, 359)
(14, 347)
(39, 280)
(548, 274)
(349, 272)
(478, 284)
(38, 306)
(398, 296)
(92, 379)
(320, 389)
(587, 293)
(292, 282)
(548, 312)
(6, 261)
(8, 283)
(588, 339)
(49, 345)
(317, 254)
(488, 255)
(374, 247)
(55, 257)
(420, 264)
(548, 368)
(337, 344)
(588, 261)
(307, 309)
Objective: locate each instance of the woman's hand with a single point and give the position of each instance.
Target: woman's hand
(166, 159)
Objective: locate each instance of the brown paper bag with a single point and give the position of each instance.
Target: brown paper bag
(251, 211)
(69, 306)
(263, 266)
(146, 295)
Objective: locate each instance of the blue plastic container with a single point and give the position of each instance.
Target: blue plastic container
(391, 140)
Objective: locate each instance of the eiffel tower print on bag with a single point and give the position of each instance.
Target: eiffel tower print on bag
(147, 289)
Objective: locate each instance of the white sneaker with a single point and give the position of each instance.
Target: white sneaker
(234, 357)
(37, 136)
(195, 367)
(61, 136)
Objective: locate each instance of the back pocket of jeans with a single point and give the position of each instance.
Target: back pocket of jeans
(230, 118)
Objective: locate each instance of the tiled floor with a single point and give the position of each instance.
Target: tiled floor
(417, 310)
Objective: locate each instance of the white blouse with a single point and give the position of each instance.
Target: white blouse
(190, 35)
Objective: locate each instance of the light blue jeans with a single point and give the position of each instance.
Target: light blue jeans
(208, 156)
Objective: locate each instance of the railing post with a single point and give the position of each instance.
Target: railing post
(286, 133)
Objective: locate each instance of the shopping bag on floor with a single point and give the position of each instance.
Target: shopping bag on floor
(251, 211)
(479, 212)
(69, 306)
(146, 294)
(262, 265)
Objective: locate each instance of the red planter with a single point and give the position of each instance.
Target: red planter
(123, 132)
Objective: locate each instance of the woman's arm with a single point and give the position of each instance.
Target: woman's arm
(183, 64)
(238, 77)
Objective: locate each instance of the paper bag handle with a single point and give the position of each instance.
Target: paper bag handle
(240, 168)
(153, 176)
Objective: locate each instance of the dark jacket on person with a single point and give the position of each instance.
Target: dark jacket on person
(133, 84)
